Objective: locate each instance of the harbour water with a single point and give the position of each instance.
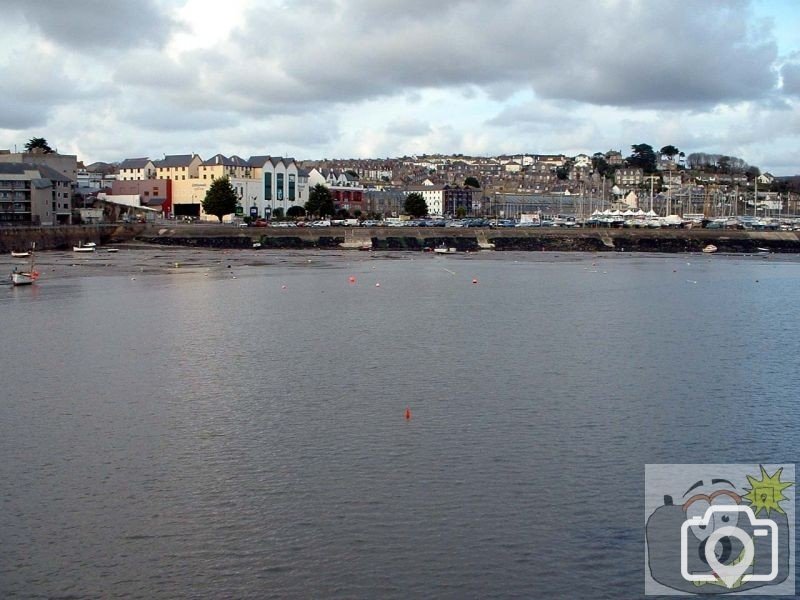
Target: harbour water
(233, 426)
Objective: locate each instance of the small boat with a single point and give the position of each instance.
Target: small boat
(81, 248)
(90, 245)
(20, 254)
(444, 250)
(25, 277)
(111, 250)
(710, 249)
(763, 250)
(256, 245)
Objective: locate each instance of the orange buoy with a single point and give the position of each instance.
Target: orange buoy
(474, 281)
(351, 279)
(408, 414)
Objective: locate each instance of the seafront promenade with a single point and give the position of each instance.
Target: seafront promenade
(214, 235)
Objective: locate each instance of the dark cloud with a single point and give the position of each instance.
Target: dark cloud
(621, 53)
(95, 24)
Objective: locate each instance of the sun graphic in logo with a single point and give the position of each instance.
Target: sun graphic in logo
(766, 493)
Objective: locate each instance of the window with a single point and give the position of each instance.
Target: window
(291, 187)
(279, 185)
(268, 186)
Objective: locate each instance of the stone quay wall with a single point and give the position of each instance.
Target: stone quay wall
(473, 239)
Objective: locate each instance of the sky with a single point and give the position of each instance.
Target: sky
(109, 80)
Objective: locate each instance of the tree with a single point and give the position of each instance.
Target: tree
(599, 164)
(296, 211)
(277, 213)
(643, 157)
(38, 143)
(461, 212)
(752, 173)
(320, 201)
(415, 205)
(221, 198)
(472, 182)
(669, 151)
(343, 213)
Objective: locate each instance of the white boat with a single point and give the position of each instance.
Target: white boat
(111, 250)
(25, 277)
(20, 254)
(90, 245)
(81, 248)
(444, 250)
(710, 249)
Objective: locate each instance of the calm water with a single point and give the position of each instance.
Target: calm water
(178, 432)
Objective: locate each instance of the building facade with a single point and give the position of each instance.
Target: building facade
(34, 195)
(136, 169)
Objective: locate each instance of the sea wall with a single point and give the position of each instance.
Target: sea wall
(63, 237)
(469, 239)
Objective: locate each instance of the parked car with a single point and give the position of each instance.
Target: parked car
(260, 223)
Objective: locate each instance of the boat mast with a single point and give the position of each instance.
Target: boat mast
(755, 196)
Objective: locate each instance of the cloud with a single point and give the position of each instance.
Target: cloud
(31, 95)
(91, 25)
(790, 74)
(606, 53)
(390, 77)
(407, 127)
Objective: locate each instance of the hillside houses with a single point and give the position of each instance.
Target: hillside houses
(268, 185)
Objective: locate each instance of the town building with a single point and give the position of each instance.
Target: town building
(152, 193)
(629, 177)
(65, 164)
(34, 195)
(136, 169)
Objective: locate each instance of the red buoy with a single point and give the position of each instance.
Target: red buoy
(408, 414)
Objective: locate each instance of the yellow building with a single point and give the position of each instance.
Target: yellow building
(178, 167)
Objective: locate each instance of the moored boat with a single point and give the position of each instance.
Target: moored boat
(25, 277)
(20, 254)
(710, 249)
(444, 250)
(81, 248)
